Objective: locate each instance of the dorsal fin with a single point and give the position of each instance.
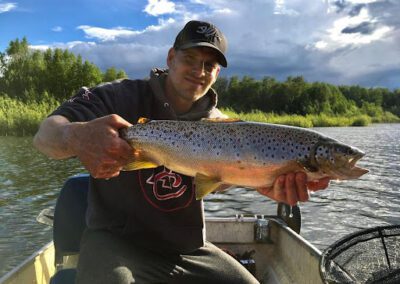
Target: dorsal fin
(221, 120)
(143, 120)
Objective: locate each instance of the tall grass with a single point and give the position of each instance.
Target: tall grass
(294, 120)
(321, 120)
(20, 119)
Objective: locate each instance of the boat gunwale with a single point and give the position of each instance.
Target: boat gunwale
(27, 261)
(305, 243)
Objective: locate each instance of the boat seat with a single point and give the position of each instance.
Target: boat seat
(69, 224)
(65, 276)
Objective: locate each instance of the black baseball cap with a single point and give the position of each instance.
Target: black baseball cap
(198, 33)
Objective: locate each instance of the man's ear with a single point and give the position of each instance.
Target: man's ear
(171, 56)
(217, 73)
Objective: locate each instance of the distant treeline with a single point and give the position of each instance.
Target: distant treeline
(298, 97)
(34, 75)
(33, 82)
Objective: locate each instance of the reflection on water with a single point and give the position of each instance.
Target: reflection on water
(30, 182)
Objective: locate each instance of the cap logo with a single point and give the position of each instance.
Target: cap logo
(209, 32)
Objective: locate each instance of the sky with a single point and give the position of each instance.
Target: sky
(353, 42)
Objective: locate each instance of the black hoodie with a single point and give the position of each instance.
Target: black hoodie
(154, 207)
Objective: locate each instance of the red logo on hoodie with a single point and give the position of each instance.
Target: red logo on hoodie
(170, 185)
(166, 190)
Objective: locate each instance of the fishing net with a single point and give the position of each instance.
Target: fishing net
(367, 256)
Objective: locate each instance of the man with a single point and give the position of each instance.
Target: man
(146, 226)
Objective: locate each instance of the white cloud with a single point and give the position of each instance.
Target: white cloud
(68, 45)
(7, 7)
(135, 58)
(106, 34)
(57, 29)
(41, 47)
(361, 1)
(224, 11)
(118, 33)
(280, 9)
(159, 7)
(336, 38)
(320, 44)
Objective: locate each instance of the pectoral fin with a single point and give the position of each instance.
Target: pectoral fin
(205, 185)
(140, 161)
(138, 165)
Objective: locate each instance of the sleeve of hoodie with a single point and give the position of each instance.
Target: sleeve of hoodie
(88, 104)
(127, 98)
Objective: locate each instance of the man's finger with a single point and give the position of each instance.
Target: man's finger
(319, 184)
(116, 121)
(290, 189)
(279, 189)
(301, 186)
(267, 191)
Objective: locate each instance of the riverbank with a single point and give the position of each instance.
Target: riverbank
(23, 119)
(310, 120)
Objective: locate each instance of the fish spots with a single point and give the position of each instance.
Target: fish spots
(188, 134)
(322, 151)
(239, 141)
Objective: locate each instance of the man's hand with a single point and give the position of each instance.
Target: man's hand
(292, 188)
(98, 146)
(95, 143)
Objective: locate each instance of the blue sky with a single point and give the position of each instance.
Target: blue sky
(339, 42)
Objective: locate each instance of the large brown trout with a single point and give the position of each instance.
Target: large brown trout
(247, 154)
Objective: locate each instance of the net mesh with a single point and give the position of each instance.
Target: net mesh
(368, 256)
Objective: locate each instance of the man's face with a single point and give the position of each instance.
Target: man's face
(192, 71)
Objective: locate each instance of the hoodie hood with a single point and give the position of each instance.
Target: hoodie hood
(205, 107)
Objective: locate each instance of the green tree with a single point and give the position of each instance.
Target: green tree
(391, 102)
(20, 67)
(27, 74)
(266, 85)
(65, 73)
(221, 87)
(112, 74)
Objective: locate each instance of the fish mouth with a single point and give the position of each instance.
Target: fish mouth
(356, 172)
(355, 159)
(352, 171)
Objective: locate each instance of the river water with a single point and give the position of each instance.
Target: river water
(30, 182)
